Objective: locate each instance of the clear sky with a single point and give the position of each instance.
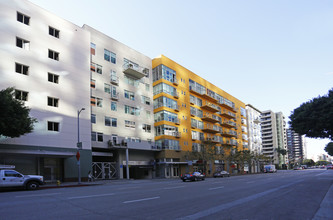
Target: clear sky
(271, 54)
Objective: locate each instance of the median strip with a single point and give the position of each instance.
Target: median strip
(140, 200)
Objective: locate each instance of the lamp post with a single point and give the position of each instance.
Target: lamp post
(79, 145)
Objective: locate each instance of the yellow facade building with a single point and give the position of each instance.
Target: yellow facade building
(197, 125)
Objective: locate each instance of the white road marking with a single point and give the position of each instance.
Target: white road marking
(49, 194)
(251, 182)
(321, 174)
(81, 197)
(221, 187)
(140, 200)
(176, 187)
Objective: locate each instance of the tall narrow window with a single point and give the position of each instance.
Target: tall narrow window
(53, 78)
(52, 126)
(22, 43)
(92, 48)
(21, 95)
(93, 118)
(20, 68)
(92, 83)
(53, 55)
(54, 32)
(113, 106)
(23, 18)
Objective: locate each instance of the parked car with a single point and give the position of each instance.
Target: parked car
(192, 176)
(12, 178)
(221, 174)
(329, 167)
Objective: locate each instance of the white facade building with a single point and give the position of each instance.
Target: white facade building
(46, 60)
(121, 108)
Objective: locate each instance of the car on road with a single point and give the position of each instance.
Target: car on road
(221, 174)
(329, 167)
(270, 169)
(192, 176)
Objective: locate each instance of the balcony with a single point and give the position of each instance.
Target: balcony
(175, 82)
(214, 139)
(176, 108)
(175, 94)
(209, 97)
(228, 106)
(196, 90)
(228, 124)
(115, 96)
(229, 133)
(114, 80)
(176, 134)
(210, 107)
(228, 114)
(256, 120)
(135, 71)
(177, 121)
(210, 118)
(209, 128)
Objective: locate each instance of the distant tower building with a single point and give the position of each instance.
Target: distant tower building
(296, 148)
(274, 137)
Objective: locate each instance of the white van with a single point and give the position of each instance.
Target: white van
(270, 169)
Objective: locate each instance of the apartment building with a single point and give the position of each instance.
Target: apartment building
(274, 137)
(296, 147)
(190, 115)
(121, 109)
(46, 60)
(254, 135)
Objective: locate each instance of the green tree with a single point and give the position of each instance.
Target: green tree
(322, 162)
(314, 118)
(14, 116)
(329, 148)
(308, 162)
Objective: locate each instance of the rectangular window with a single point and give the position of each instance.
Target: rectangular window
(100, 137)
(129, 95)
(107, 88)
(99, 102)
(92, 48)
(93, 118)
(53, 55)
(93, 101)
(132, 110)
(146, 128)
(93, 136)
(52, 126)
(129, 124)
(107, 121)
(53, 78)
(54, 32)
(22, 43)
(20, 68)
(21, 95)
(113, 106)
(145, 100)
(52, 101)
(99, 69)
(23, 18)
(113, 122)
(92, 83)
(109, 56)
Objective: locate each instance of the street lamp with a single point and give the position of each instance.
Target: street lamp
(79, 144)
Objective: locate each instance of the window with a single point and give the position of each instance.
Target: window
(145, 100)
(129, 124)
(92, 83)
(54, 32)
(22, 43)
(99, 102)
(146, 128)
(129, 95)
(109, 56)
(52, 101)
(93, 136)
(107, 121)
(23, 18)
(164, 72)
(92, 48)
(21, 95)
(96, 68)
(107, 88)
(100, 137)
(92, 101)
(53, 78)
(20, 68)
(132, 110)
(131, 81)
(147, 114)
(113, 122)
(52, 126)
(113, 106)
(93, 118)
(147, 87)
(53, 55)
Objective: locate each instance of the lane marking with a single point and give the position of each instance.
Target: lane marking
(49, 194)
(140, 200)
(321, 174)
(251, 182)
(238, 202)
(221, 187)
(176, 187)
(81, 197)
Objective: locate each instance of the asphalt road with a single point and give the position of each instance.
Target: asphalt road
(284, 195)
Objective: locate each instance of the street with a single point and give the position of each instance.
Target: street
(294, 194)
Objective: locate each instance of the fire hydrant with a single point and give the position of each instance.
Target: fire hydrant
(58, 182)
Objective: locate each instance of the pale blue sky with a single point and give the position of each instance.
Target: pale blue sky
(271, 54)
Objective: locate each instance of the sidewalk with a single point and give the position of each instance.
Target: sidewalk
(71, 184)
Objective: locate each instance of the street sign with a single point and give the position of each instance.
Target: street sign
(78, 155)
(79, 145)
